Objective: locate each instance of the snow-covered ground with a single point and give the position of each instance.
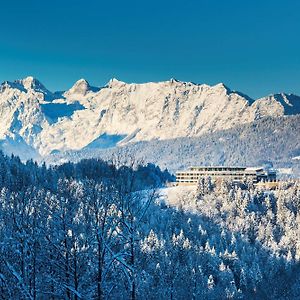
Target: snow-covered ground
(177, 196)
(284, 171)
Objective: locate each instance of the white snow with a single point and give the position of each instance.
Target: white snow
(288, 171)
(176, 196)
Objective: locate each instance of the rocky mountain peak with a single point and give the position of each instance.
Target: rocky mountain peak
(31, 83)
(80, 87)
(114, 82)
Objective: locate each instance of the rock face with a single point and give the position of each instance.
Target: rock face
(45, 121)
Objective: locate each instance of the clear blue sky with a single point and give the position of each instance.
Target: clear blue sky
(252, 46)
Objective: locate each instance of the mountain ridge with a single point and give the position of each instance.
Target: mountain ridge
(71, 120)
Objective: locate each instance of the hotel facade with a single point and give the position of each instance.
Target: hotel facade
(238, 174)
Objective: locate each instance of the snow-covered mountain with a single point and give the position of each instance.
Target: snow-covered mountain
(118, 113)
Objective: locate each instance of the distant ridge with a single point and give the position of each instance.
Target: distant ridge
(73, 119)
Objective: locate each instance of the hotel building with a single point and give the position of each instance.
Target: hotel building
(238, 174)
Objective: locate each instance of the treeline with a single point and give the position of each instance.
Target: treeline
(16, 175)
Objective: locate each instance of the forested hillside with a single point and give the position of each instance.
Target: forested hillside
(97, 230)
(271, 140)
(239, 241)
(65, 231)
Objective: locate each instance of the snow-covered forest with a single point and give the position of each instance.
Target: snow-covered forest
(98, 230)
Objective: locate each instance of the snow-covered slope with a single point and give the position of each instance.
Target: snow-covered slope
(123, 112)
